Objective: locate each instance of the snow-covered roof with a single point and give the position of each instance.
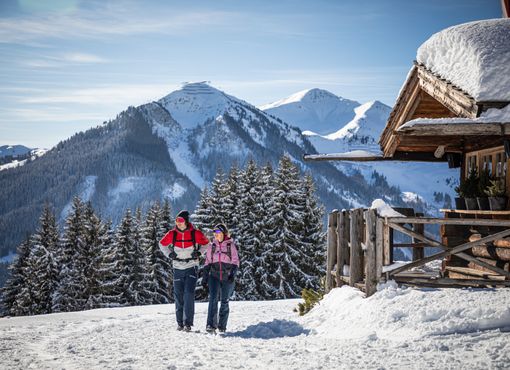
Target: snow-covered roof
(495, 116)
(473, 56)
(357, 155)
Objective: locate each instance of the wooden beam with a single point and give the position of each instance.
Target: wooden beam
(418, 253)
(449, 221)
(452, 251)
(445, 93)
(451, 283)
(462, 255)
(371, 278)
(356, 261)
(342, 258)
(331, 252)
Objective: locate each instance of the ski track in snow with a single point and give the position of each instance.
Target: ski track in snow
(261, 335)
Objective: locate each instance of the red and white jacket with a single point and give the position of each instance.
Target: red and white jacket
(183, 246)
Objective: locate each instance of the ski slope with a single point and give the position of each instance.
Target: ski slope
(395, 328)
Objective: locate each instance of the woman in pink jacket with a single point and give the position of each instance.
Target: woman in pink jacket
(221, 264)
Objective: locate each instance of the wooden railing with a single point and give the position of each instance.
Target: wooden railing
(361, 243)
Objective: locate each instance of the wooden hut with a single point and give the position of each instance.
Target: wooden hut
(453, 107)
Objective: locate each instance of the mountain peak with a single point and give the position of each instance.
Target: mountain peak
(196, 102)
(317, 108)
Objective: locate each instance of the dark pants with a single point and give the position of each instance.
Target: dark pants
(222, 290)
(184, 295)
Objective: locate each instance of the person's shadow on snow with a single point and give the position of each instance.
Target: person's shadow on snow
(270, 330)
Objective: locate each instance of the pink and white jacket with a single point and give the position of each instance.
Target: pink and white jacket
(222, 258)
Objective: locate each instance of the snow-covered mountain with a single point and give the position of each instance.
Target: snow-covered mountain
(13, 150)
(316, 110)
(12, 156)
(168, 149)
(360, 131)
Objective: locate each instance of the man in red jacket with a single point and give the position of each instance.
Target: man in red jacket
(184, 244)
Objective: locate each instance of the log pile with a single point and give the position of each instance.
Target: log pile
(496, 253)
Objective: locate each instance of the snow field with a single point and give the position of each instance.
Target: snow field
(399, 328)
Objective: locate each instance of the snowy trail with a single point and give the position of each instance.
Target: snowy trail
(266, 335)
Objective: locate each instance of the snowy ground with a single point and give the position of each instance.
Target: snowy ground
(396, 328)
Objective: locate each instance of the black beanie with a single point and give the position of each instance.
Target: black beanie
(184, 214)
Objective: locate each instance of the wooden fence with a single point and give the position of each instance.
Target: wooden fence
(360, 247)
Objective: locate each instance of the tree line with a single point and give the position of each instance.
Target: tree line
(274, 216)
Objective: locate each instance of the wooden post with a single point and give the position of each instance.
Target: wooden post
(418, 253)
(379, 247)
(387, 255)
(356, 260)
(342, 251)
(331, 253)
(371, 277)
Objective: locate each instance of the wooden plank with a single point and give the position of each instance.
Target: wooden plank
(445, 93)
(468, 273)
(412, 245)
(461, 276)
(379, 247)
(503, 265)
(452, 283)
(502, 254)
(387, 260)
(449, 251)
(356, 260)
(331, 251)
(418, 253)
(449, 221)
(461, 255)
(371, 278)
(475, 212)
(342, 232)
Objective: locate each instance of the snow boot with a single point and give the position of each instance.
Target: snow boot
(187, 328)
(210, 329)
(180, 327)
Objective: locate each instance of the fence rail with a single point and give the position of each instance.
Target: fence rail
(361, 244)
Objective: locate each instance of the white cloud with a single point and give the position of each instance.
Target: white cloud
(102, 95)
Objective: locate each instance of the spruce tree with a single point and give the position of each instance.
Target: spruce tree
(249, 211)
(203, 217)
(13, 288)
(69, 293)
(42, 263)
(93, 246)
(158, 266)
(286, 238)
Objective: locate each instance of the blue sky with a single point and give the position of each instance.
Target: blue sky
(67, 65)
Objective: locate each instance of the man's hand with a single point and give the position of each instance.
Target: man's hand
(172, 254)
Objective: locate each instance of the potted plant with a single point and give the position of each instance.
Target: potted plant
(460, 202)
(471, 190)
(497, 195)
(483, 184)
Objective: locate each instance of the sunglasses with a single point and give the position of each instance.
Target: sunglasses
(217, 231)
(180, 219)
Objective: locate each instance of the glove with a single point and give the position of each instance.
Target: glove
(205, 280)
(195, 254)
(172, 255)
(232, 275)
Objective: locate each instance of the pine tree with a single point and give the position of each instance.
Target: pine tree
(93, 246)
(158, 266)
(314, 237)
(203, 217)
(42, 263)
(219, 199)
(69, 293)
(286, 236)
(110, 293)
(14, 286)
(249, 211)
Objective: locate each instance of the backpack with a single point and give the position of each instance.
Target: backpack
(193, 240)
